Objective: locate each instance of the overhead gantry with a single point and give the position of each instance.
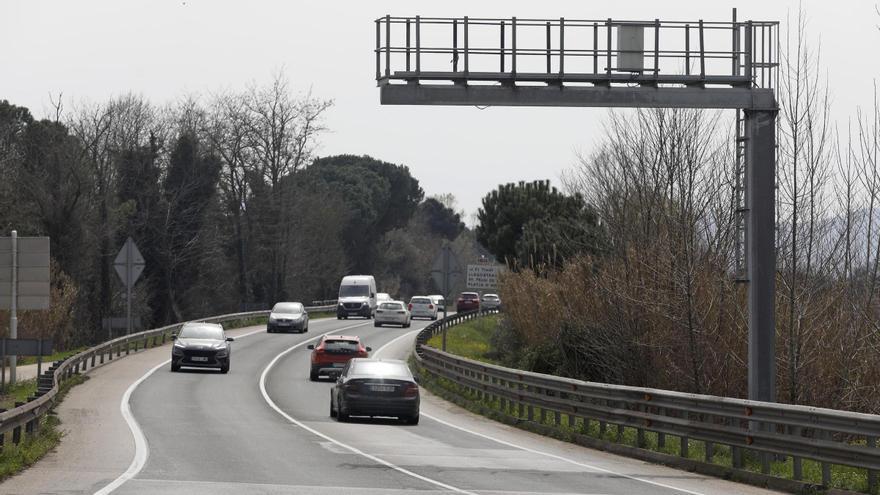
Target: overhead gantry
(616, 63)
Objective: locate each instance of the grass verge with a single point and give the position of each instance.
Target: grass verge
(58, 356)
(15, 458)
(471, 340)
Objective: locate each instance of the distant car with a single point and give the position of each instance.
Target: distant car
(467, 301)
(288, 317)
(333, 353)
(201, 345)
(422, 307)
(439, 301)
(375, 387)
(383, 297)
(491, 301)
(392, 313)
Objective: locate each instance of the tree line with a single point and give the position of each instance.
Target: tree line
(225, 198)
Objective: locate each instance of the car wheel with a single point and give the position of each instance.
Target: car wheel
(332, 410)
(224, 369)
(411, 420)
(338, 317)
(377, 324)
(175, 367)
(313, 375)
(434, 317)
(341, 416)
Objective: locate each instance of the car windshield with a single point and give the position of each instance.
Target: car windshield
(420, 300)
(470, 295)
(288, 308)
(340, 346)
(201, 332)
(381, 368)
(354, 291)
(391, 306)
(490, 297)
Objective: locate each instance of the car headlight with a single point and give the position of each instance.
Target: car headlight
(272, 319)
(177, 349)
(222, 351)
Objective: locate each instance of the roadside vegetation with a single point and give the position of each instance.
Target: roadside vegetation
(476, 339)
(471, 339)
(15, 458)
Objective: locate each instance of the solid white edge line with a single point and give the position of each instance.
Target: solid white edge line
(141, 448)
(533, 451)
(333, 440)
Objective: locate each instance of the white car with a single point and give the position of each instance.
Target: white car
(392, 313)
(422, 307)
(438, 301)
(490, 301)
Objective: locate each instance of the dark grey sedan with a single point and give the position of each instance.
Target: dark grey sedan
(201, 345)
(288, 317)
(375, 387)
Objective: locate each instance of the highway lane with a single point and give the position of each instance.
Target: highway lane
(213, 433)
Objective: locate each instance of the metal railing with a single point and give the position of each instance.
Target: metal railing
(26, 416)
(772, 431)
(735, 53)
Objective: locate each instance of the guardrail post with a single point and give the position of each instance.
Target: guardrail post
(557, 418)
(710, 452)
(872, 474)
(796, 462)
(128, 347)
(683, 447)
(661, 437)
(521, 408)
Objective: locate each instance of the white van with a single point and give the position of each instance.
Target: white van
(357, 297)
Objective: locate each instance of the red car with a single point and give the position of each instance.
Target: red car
(467, 301)
(333, 353)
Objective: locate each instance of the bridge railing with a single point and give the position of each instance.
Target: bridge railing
(561, 50)
(765, 431)
(25, 418)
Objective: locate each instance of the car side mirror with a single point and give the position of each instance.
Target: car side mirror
(311, 346)
(173, 337)
(369, 349)
(372, 294)
(417, 379)
(230, 339)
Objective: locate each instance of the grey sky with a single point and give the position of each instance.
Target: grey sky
(164, 49)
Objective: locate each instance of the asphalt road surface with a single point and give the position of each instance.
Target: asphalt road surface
(265, 428)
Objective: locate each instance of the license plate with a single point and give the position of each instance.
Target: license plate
(382, 388)
(339, 365)
(199, 359)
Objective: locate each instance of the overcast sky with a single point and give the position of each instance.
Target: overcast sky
(163, 49)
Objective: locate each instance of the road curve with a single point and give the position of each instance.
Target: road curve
(209, 433)
(218, 434)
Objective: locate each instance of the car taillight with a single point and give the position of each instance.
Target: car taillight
(411, 390)
(362, 353)
(430, 306)
(410, 307)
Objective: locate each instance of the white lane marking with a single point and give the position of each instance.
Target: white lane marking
(337, 442)
(376, 353)
(533, 451)
(141, 448)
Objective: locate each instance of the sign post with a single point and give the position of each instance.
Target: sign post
(24, 280)
(129, 265)
(446, 271)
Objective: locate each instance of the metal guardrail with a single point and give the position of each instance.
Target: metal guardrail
(25, 417)
(827, 436)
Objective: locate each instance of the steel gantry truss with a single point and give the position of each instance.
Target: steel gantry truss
(616, 63)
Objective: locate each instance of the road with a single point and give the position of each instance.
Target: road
(266, 429)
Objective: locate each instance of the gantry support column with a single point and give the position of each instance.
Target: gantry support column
(760, 128)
